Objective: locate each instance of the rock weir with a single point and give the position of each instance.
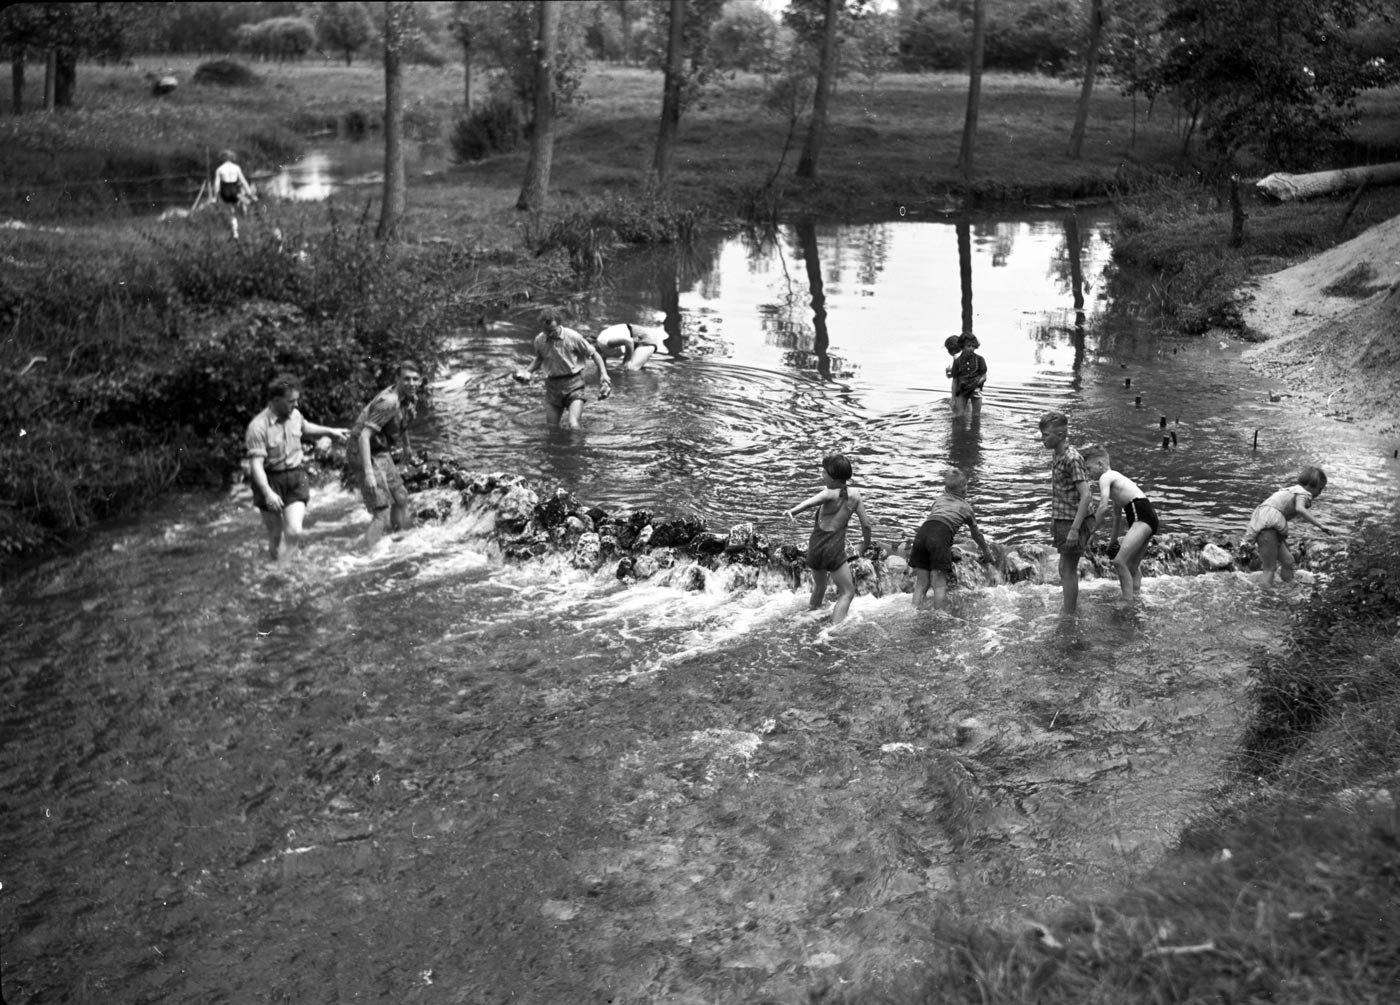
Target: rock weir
(527, 522)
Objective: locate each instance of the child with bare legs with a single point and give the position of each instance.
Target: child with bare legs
(931, 557)
(1118, 492)
(1268, 525)
(835, 504)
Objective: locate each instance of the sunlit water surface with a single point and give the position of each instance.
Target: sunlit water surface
(430, 775)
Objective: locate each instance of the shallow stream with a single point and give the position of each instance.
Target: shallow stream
(428, 775)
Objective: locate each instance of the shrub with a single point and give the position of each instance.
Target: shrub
(493, 127)
(225, 73)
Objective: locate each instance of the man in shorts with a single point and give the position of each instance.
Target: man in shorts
(382, 428)
(275, 455)
(562, 353)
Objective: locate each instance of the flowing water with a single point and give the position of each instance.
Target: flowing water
(431, 775)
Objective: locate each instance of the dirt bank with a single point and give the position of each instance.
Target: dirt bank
(1331, 329)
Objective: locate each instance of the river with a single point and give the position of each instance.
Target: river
(430, 775)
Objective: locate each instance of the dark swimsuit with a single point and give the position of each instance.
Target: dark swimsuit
(826, 549)
(1141, 509)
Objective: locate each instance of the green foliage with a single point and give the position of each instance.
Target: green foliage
(1039, 36)
(1272, 73)
(506, 33)
(225, 73)
(745, 37)
(493, 127)
(278, 38)
(345, 28)
(588, 231)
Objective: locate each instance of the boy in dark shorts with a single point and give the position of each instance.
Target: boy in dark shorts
(1071, 495)
(1119, 493)
(931, 557)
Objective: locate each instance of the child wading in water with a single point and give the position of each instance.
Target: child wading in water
(826, 549)
(1117, 492)
(1269, 523)
(931, 557)
(1071, 495)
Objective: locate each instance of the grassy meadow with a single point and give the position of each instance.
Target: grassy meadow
(1286, 893)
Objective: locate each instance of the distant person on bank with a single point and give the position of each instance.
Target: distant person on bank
(274, 443)
(562, 354)
(233, 188)
(381, 429)
(634, 344)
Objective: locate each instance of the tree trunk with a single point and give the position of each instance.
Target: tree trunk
(964, 232)
(65, 81)
(535, 192)
(50, 77)
(1091, 69)
(670, 100)
(17, 80)
(1285, 187)
(816, 130)
(467, 53)
(395, 184)
(966, 154)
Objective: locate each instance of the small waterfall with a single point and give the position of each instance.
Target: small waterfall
(521, 522)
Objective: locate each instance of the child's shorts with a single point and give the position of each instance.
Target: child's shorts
(1140, 510)
(933, 548)
(1060, 532)
(1266, 517)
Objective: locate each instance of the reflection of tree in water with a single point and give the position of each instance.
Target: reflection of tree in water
(660, 273)
(1003, 239)
(874, 251)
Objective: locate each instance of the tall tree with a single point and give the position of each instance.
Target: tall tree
(966, 153)
(344, 27)
(1091, 70)
(674, 82)
(396, 15)
(534, 194)
(826, 72)
(464, 26)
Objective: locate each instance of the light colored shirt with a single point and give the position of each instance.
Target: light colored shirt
(563, 355)
(954, 511)
(277, 441)
(1286, 501)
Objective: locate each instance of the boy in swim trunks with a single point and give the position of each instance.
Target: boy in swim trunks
(1071, 495)
(233, 188)
(931, 557)
(1268, 525)
(826, 549)
(563, 353)
(1118, 493)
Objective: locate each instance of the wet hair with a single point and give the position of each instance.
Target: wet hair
(1050, 419)
(1313, 479)
(280, 385)
(1093, 452)
(407, 365)
(954, 481)
(838, 466)
(953, 344)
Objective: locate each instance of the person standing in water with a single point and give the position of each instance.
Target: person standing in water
(1119, 494)
(381, 428)
(281, 491)
(1071, 496)
(233, 188)
(1268, 524)
(835, 504)
(969, 372)
(635, 344)
(562, 354)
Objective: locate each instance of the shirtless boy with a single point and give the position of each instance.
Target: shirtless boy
(1119, 493)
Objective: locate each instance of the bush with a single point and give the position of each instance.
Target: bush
(225, 73)
(493, 127)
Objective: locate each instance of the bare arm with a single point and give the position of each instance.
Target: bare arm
(865, 525)
(1086, 499)
(808, 503)
(976, 533)
(312, 429)
(366, 462)
(1304, 514)
(603, 377)
(260, 483)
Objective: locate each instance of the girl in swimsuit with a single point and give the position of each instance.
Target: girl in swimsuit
(826, 550)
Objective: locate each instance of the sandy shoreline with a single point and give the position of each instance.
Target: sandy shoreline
(1330, 329)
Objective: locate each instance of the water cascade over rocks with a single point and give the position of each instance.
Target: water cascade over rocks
(525, 522)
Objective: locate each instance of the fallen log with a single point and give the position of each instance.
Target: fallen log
(1287, 187)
